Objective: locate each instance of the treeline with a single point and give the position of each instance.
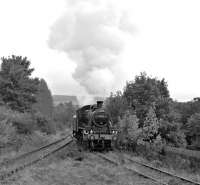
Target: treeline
(26, 103)
(145, 111)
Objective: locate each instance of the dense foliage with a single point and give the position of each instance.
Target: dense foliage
(116, 105)
(63, 115)
(145, 92)
(193, 129)
(147, 99)
(17, 88)
(26, 104)
(44, 99)
(150, 126)
(143, 111)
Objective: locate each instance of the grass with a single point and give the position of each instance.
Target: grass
(186, 167)
(66, 168)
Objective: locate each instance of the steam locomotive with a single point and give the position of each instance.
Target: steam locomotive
(93, 129)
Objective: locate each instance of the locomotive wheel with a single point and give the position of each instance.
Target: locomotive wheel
(103, 143)
(85, 145)
(91, 145)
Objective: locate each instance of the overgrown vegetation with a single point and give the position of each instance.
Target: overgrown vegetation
(63, 115)
(148, 99)
(26, 104)
(17, 88)
(144, 112)
(145, 106)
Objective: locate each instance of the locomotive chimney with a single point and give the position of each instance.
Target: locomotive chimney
(99, 104)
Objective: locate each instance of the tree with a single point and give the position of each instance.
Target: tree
(187, 109)
(17, 88)
(151, 125)
(145, 92)
(130, 133)
(129, 124)
(116, 105)
(44, 100)
(193, 128)
(63, 114)
(172, 134)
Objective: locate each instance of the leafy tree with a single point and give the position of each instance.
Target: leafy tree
(44, 124)
(129, 123)
(193, 128)
(187, 109)
(129, 131)
(151, 125)
(116, 105)
(63, 114)
(44, 100)
(172, 134)
(145, 92)
(7, 131)
(17, 88)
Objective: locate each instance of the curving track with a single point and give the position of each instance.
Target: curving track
(19, 163)
(147, 171)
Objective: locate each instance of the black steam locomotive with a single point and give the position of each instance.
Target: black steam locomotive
(92, 127)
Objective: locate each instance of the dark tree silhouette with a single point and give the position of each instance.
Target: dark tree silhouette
(17, 88)
(145, 92)
(116, 105)
(44, 100)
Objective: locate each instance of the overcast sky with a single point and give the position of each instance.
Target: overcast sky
(163, 39)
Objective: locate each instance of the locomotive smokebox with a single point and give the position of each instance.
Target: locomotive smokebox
(99, 104)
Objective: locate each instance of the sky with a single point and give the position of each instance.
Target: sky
(83, 46)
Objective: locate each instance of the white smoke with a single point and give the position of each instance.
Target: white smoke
(93, 34)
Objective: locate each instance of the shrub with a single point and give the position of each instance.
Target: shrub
(7, 132)
(172, 134)
(24, 123)
(116, 105)
(63, 114)
(150, 126)
(17, 87)
(44, 124)
(130, 132)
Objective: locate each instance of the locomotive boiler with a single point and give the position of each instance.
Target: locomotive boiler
(92, 127)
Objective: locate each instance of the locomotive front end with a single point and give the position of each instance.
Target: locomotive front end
(93, 127)
(101, 134)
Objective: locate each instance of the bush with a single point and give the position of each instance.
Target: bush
(172, 134)
(7, 132)
(130, 132)
(27, 123)
(24, 123)
(44, 124)
(116, 105)
(63, 115)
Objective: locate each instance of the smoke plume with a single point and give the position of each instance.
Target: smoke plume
(92, 33)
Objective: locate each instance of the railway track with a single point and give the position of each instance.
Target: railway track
(157, 175)
(21, 162)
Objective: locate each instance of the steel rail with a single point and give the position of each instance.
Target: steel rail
(7, 174)
(163, 171)
(148, 166)
(32, 152)
(131, 169)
